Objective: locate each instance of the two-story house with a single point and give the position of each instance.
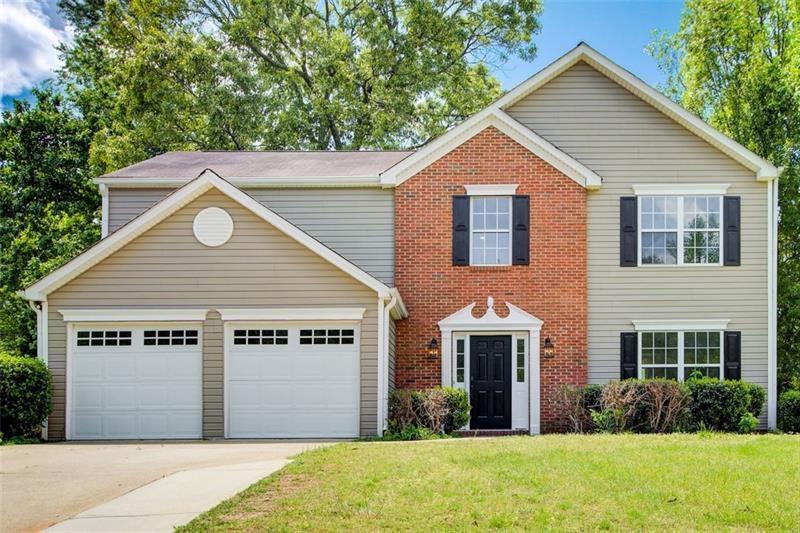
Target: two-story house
(581, 229)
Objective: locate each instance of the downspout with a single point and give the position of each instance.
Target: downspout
(104, 210)
(385, 375)
(40, 308)
(772, 284)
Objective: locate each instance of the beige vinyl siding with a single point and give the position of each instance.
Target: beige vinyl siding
(259, 267)
(358, 223)
(626, 141)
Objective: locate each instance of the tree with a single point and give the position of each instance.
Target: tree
(244, 74)
(48, 204)
(737, 65)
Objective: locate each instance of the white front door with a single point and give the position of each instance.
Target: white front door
(135, 381)
(298, 381)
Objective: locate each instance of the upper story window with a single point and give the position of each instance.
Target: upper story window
(490, 239)
(680, 230)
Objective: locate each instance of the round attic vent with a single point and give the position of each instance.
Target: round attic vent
(213, 226)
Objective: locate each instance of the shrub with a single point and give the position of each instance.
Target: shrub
(644, 406)
(25, 395)
(748, 423)
(577, 403)
(411, 432)
(438, 410)
(720, 405)
(789, 411)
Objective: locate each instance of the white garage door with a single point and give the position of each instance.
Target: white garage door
(135, 382)
(300, 381)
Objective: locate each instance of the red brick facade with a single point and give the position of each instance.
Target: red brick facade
(552, 287)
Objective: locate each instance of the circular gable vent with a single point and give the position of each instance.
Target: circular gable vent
(213, 226)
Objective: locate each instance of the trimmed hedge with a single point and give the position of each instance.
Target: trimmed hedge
(789, 411)
(663, 406)
(25, 395)
(415, 415)
(720, 405)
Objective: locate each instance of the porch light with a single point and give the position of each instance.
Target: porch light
(433, 348)
(549, 350)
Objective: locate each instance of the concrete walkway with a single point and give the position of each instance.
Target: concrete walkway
(44, 484)
(172, 501)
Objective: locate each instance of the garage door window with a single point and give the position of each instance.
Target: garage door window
(327, 336)
(170, 337)
(104, 338)
(260, 336)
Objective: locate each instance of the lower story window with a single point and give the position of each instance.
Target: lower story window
(680, 354)
(520, 360)
(460, 353)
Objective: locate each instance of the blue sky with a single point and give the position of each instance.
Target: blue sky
(620, 29)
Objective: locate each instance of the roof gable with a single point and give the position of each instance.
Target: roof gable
(763, 169)
(171, 204)
(497, 118)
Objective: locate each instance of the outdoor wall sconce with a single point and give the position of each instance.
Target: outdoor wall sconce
(549, 350)
(433, 348)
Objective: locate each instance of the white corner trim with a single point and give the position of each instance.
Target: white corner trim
(763, 169)
(671, 189)
(490, 117)
(294, 314)
(491, 190)
(172, 203)
(103, 210)
(681, 325)
(772, 302)
(133, 315)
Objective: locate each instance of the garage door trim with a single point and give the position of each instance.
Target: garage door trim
(71, 345)
(229, 326)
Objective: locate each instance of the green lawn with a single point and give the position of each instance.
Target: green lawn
(554, 482)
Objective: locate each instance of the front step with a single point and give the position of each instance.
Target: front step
(490, 432)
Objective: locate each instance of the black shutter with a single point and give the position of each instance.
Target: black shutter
(520, 244)
(628, 217)
(460, 230)
(732, 240)
(628, 355)
(733, 354)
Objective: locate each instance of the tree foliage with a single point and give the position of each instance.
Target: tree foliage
(48, 205)
(737, 65)
(238, 74)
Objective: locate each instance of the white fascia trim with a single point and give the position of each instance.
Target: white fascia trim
(398, 310)
(672, 189)
(294, 314)
(247, 183)
(172, 203)
(491, 190)
(133, 315)
(104, 210)
(764, 169)
(681, 325)
(495, 117)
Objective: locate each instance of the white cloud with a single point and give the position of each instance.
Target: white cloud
(30, 30)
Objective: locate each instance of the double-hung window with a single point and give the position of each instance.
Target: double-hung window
(490, 228)
(680, 230)
(679, 354)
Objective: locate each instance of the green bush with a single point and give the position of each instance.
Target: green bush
(748, 423)
(25, 395)
(412, 433)
(789, 411)
(439, 410)
(642, 406)
(719, 405)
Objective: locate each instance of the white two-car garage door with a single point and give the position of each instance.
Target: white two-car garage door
(297, 381)
(135, 381)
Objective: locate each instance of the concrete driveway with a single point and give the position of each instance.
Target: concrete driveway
(43, 484)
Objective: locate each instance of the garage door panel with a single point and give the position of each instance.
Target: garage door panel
(136, 391)
(292, 390)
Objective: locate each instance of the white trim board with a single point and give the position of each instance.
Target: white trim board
(494, 117)
(491, 190)
(764, 169)
(294, 314)
(194, 189)
(720, 324)
(681, 189)
(245, 182)
(133, 315)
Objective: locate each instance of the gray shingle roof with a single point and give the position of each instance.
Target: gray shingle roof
(286, 164)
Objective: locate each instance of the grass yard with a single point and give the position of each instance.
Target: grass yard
(563, 482)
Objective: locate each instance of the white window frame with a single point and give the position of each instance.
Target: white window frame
(718, 327)
(680, 230)
(473, 231)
